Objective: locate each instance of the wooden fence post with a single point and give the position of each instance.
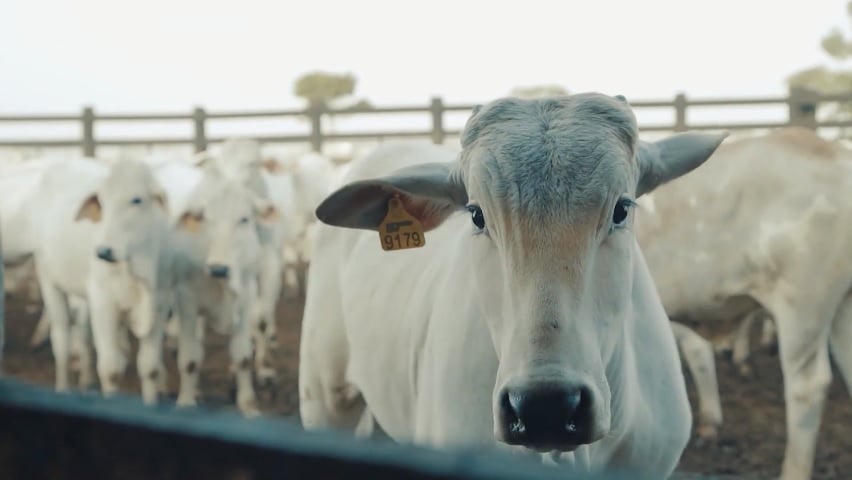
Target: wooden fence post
(314, 112)
(802, 105)
(437, 109)
(680, 112)
(199, 117)
(88, 119)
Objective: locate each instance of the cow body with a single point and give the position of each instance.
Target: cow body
(493, 333)
(766, 227)
(216, 223)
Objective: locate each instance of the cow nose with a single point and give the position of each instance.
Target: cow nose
(105, 253)
(219, 271)
(547, 419)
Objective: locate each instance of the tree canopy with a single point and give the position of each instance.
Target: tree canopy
(538, 91)
(826, 80)
(324, 86)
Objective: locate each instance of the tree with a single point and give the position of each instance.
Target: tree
(538, 91)
(324, 86)
(831, 81)
(331, 89)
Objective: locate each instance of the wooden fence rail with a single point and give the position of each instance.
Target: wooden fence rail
(802, 106)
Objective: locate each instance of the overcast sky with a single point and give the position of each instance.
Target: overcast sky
(56, 55)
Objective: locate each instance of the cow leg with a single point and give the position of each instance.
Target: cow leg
(698, 354)
(326, 398)
(266, 330)
(241, 364)
(42, 331)
(290, 258)
(171, 339)
(56, 308)
(742, 343)
(768, 335)
(841, 341)
(84, 347)
(803, 348)
(149, 358)
(190, 348)
(111, 360)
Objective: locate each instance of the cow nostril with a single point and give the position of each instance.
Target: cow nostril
(105, 253)
(547, 418)
(219, 271)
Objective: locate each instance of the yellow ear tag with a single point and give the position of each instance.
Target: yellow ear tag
(399, 230)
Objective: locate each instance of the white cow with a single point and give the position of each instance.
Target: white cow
(239, 160)
(528, 318)
(764, 226)
(130, 267)
(63, 249)
(219, 223)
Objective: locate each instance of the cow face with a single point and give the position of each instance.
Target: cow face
(128, 205)
(230, 218)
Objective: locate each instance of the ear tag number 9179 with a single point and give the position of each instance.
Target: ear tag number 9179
(400, 230)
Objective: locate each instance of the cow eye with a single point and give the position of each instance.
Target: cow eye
(244, 220)
(136, 200)
(622, 209)
(476, 216)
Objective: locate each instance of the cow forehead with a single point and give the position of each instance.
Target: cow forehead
(127, 178)
(545, 157)
(229, 201)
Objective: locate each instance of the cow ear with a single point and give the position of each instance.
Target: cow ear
(202, 158)
(191, 221)
(667, 159)
(429, 192)
(162, 199)
(266, 211)
(271, 165)
(90, 209)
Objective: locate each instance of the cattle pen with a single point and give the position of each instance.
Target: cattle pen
(802, 107)
(49, 435)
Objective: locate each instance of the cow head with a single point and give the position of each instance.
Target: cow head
(549, 186)
(127, 204)
(230, 218)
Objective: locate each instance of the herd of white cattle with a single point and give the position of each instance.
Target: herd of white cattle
(534, 315)
(152, 246)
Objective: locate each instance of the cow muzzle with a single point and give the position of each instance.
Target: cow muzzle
(219, 270)
(106, 254)
(553, 416)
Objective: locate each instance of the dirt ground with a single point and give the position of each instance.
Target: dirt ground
(750, 442)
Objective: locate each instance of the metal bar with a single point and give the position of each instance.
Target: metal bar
(88, 436)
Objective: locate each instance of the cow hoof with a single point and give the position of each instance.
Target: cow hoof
(706, 432)
(184, 401)
(86, 382)
(745, 371)
(249, 408)
(772, 349)
(266, 376)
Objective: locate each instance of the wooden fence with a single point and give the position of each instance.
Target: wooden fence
(802, 106)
